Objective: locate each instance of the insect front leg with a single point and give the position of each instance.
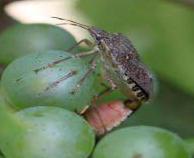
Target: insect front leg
(65, 59)
(86, 41)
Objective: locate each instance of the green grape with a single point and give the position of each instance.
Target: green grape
(190, 145)
(44, 132)
(24, 87)
(23, 39)
(141, 142)
(54, 132)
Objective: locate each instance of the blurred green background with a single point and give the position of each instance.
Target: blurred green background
(163, 33)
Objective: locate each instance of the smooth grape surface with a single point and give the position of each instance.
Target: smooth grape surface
(141, 142)
(49, 132)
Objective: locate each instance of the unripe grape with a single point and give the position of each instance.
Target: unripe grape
(141, 142)
(24, 86)
(48, 132)
(23, 39)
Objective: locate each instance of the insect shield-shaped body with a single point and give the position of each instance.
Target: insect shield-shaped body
(122, 66)
(122, 69)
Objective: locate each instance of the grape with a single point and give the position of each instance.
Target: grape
(48, 132)
(190, 145)
(141, 142)
(24, 87)
(23, 39)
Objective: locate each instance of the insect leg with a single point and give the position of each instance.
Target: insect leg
(93, 58)
(64, 59)
(86, 41)
(109, 89)
(81, 81)
(101, 95)
(109, 81)
(95, 99)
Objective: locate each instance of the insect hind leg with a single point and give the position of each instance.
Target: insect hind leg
(109, 81)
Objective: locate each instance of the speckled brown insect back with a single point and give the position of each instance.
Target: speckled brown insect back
(122, 67)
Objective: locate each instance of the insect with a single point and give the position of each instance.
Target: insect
(122, 66)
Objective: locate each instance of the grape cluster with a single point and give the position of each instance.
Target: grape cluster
(41, 118)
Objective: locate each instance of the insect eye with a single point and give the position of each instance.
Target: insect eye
(98, 38)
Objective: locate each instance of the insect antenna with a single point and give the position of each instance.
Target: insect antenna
(69, 21)
(72, 23)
